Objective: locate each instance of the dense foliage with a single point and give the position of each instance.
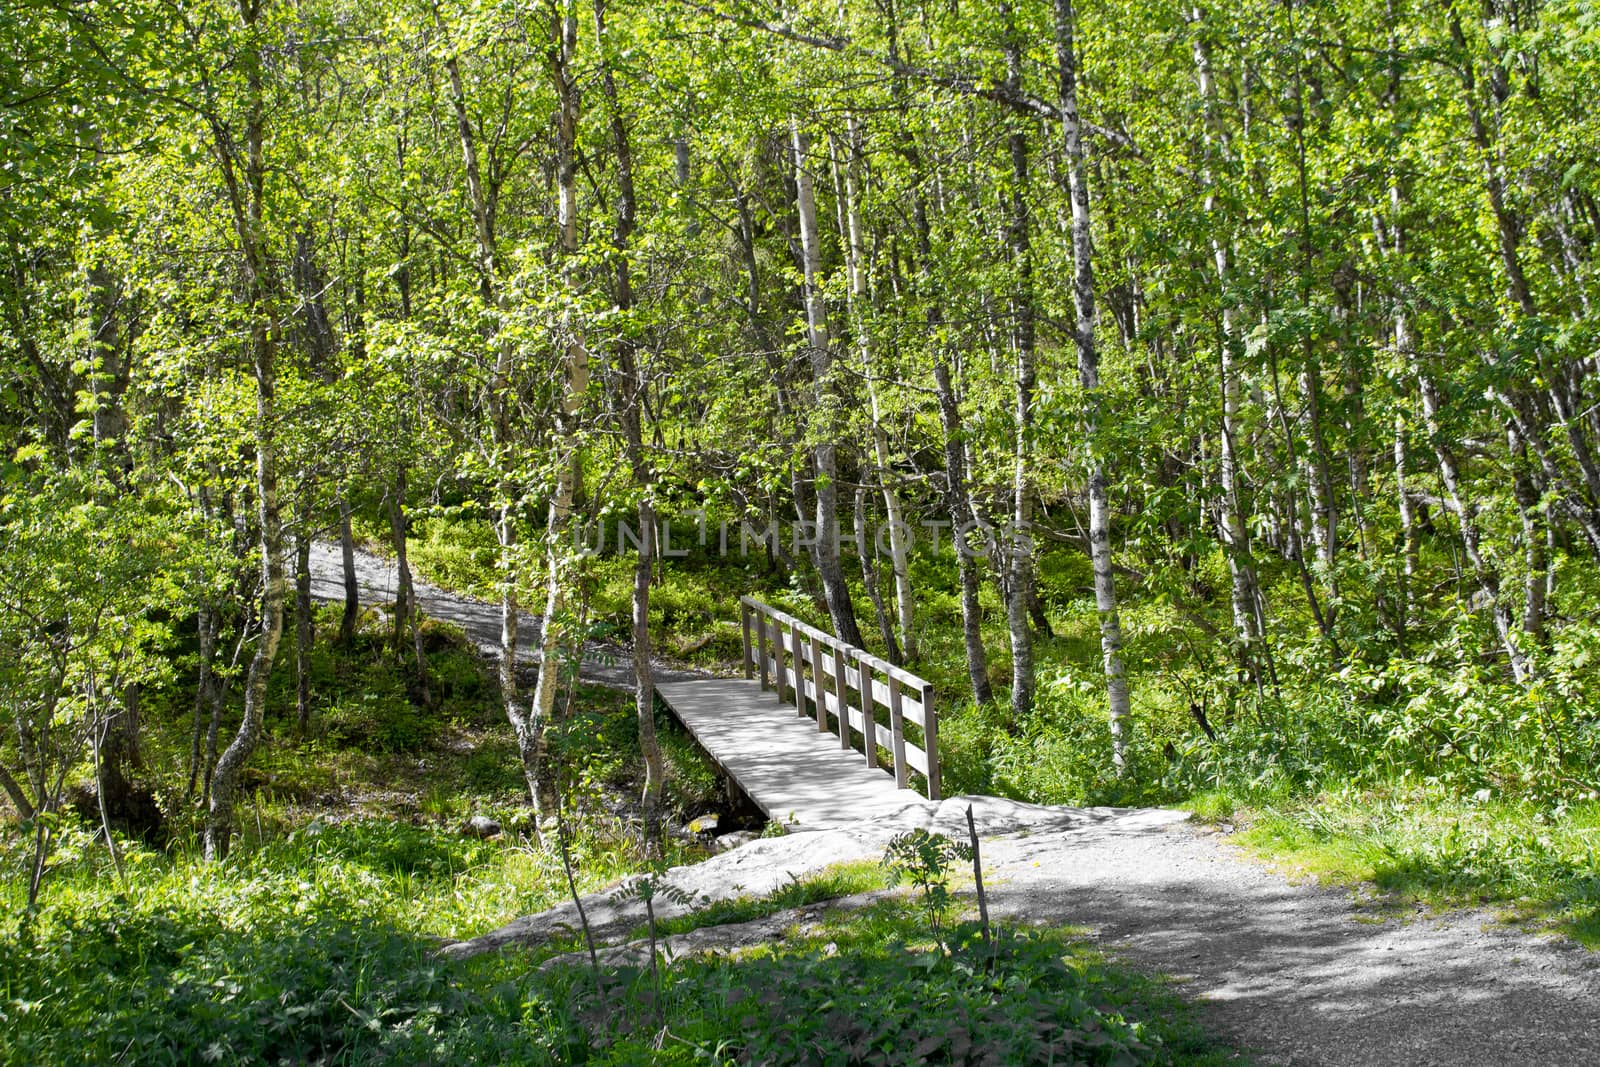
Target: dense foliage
(1299, 294)
(1205, 398)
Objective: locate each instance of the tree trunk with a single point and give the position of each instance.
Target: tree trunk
(208, 626)
(220, 685)
(524, 719)
(1319, 468)
(575, 367)
(860, 304)
(120, 761)
(247, 203)
(964, 524)
(1528, 497)
(403, 595)
(825, 547)
(17, 795)
(407, 621)
(1410, 545)
(959, 502)
(1017, 542)
(1119, 710)
(302, 626)
(225, 779)
(352, 588)
(632, 385)
(869, 578)
(1488, 578)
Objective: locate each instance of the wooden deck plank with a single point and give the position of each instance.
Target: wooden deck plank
(799, 777)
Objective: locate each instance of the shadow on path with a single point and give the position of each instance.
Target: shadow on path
(1298, 972)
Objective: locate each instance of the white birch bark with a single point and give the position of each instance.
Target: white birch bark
(825, 552)
(558, 556)
(1105, 595)
(860, 301)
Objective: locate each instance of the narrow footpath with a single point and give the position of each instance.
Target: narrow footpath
(1290, 972)
(378, 578)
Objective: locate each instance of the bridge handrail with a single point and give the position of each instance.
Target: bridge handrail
(847, 668)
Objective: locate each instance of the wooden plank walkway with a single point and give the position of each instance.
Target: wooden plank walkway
(799, 777)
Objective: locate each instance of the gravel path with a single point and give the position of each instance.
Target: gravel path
(1294, 974)
(1299, 974)
(378, 578)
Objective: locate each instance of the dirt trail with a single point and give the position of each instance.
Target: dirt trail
(1295, 974)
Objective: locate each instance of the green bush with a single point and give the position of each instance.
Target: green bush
(378, 721)
(911, 1003)
(456, 553)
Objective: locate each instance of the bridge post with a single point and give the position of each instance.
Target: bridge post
(744, 626)
(897, 730)
(816, 681)
(841, 691)
(780, 648)
(869, 721)
(761, 648)
(798, 664)
(930, 742)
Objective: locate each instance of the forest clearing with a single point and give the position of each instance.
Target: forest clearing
(1198, 407)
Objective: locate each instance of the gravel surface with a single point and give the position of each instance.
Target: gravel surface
(1299, 974)
(1292, 973)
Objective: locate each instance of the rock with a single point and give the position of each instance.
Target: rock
(480, 826)
(705, 824)
(731, 841)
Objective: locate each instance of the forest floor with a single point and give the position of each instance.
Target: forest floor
(1287, 970)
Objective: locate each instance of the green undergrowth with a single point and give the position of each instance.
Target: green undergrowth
(312, 941)
(1420, 847)
(318, 947)
(313, 946)
(871, 987)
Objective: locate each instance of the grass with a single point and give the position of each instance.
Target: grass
(1419, 846)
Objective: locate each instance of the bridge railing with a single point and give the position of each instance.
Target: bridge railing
(846, 685)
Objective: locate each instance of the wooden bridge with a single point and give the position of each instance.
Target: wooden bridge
(817, 733)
